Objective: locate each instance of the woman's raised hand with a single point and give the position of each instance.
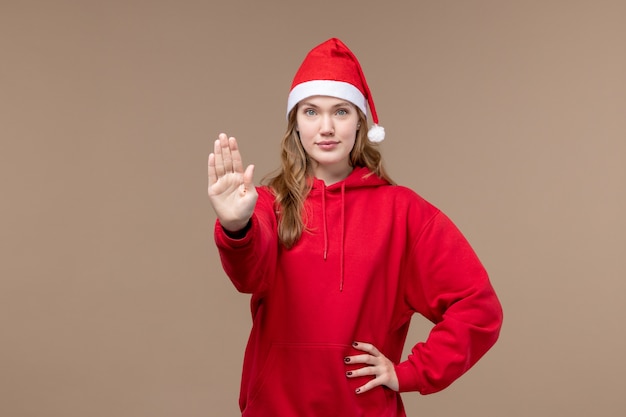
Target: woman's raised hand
(231, 190)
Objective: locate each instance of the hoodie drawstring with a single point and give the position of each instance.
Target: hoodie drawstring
(325, 223)
(343, 227)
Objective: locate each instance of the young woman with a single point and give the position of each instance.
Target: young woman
(338, 258)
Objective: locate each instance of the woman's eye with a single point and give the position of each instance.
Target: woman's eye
(342, 112)
(309, 112)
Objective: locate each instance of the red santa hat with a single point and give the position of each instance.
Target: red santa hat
(331, 69)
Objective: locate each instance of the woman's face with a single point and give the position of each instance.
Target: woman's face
(327, 127)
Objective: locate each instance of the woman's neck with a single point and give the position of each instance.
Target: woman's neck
(331, 176)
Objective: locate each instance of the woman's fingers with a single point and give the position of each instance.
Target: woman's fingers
(378, 366)
(237, 163)
(212, 172)
(367, 347)
(376, 382)
(248, 175)
(365, 371)
(227, 156)
(219, 160)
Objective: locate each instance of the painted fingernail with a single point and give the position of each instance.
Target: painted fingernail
(349, 373)
(358, 390)
(355, 344)
(346, 360)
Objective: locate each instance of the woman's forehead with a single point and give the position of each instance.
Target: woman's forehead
(326, 101)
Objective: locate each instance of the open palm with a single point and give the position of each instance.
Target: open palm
(231, 189)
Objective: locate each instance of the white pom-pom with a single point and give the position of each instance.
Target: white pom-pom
(376, 133)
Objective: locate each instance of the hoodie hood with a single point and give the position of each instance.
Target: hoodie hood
(359, 178)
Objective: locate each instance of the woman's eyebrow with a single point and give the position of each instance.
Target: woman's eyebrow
(307, 104)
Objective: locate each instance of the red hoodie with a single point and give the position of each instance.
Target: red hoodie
(372, 256)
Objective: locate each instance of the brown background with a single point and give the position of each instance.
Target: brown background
(509, 116)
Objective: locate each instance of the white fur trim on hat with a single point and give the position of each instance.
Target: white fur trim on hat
(339, 89)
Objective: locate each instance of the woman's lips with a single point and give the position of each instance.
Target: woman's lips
(327, 144)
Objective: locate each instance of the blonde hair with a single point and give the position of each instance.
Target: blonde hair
(292, 182)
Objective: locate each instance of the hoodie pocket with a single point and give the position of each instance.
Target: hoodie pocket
(310, 380)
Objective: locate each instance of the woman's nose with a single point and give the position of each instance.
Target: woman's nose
(327, 127)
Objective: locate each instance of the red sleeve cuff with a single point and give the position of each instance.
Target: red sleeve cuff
(407, 380)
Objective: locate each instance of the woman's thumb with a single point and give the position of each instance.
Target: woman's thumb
(248, 176)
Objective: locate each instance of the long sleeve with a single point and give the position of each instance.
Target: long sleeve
(250, 261)
(447, 284)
